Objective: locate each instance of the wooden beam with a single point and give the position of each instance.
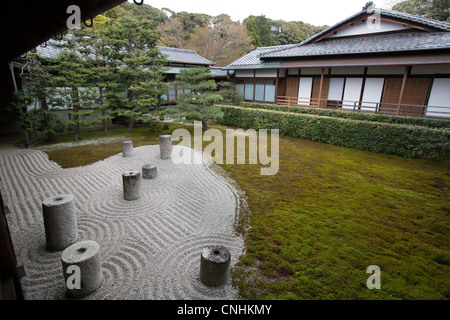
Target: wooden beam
(402, 90)
(340, 27)
(320, 87)
(364, 16)
(410, 24)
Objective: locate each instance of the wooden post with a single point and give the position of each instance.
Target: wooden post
(402, 90)
(277, 82)
(254, 84)
(320, 88)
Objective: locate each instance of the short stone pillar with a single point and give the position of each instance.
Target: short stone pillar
(149, 171)
(127, 149)
(60, 221)
(82, 268)
(215, 265)
(131, 185)
(165, 146)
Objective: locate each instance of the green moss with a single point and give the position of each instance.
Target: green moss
(328, 214)
(331, 212)
(87, 154)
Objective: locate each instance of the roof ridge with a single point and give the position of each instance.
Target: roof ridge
(346, 39)
(444, 26)
(176, 49)
(416, 41)
(417, 17)
(278, 48)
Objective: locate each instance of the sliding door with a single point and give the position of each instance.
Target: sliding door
(373, 90)
(352, 93)
(439, 102)
(305, 91)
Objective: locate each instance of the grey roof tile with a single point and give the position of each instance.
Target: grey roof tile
(252, 58)
(184, 56)
(444, 26)
(368, 44)
(173, 54)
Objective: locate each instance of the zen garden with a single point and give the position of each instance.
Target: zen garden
(179, 182)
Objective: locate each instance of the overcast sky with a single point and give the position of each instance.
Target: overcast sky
(316, 12)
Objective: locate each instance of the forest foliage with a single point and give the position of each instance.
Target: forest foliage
(218, 38)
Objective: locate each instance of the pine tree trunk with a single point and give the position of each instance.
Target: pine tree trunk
(130, 125)
(205, 125)
(76, 109)
(46, 115)
(105, 128)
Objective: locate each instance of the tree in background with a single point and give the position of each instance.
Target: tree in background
(263, 29)
(433, 9)
(197, 101)
(172, 34)
(252, 29)
(267, 32)
(141, 68)
(221, 41)
(205, 33)
(287, 32)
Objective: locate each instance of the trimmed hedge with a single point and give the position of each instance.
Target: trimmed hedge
(417, 121)
(401, 140)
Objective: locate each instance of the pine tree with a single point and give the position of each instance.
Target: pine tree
(35, 116)
(74, 84)
(98, 51)
(229, 93)
(197, 101)
(141, 72)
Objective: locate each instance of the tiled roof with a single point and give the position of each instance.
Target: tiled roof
(368, 44)
(444, 26)
(252, 58)
(440, 25)
(173, 54)
(49, 51)
(262, 57)
(184, 56)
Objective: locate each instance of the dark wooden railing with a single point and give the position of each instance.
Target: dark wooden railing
(367, 106)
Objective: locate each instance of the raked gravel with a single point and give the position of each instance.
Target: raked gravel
(149, 248)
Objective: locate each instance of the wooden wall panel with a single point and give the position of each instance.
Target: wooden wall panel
(316, 88)
(391, 95)
(281, 87)
(416, 90)
(415, 93)
(292, 86)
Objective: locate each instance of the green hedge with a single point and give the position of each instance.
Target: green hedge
(417, 121)
(402, 140)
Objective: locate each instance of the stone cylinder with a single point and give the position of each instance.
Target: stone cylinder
(127, 149)
(215, 265)
(82, 268)
(165, 146)
(60, 221)
(131, 185)
(149, 171)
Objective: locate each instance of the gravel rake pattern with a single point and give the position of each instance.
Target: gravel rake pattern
(150, 248)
